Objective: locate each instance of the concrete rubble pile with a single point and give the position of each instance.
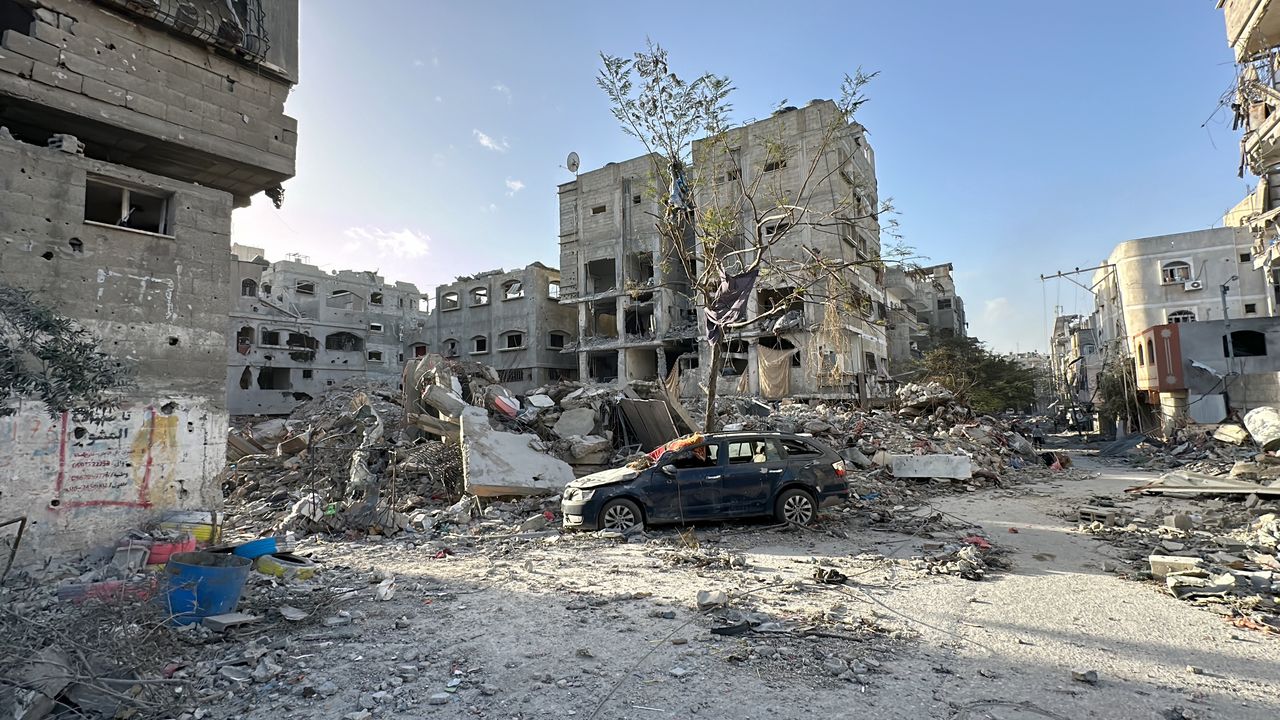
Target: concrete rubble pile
(930, 436)
(344, 461)
(1221, 554)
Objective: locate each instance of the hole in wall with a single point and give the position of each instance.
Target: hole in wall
(169, 407)
(47, 255)
(172, 341)
(79, 433)
(55, 503)
(191, 427)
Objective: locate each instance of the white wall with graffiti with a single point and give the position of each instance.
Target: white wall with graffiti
(82, 481)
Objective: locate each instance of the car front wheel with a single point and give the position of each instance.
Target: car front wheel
(621, 515)
(796, 506)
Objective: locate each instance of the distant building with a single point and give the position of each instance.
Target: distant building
(296, 330)
(512, 321)
(942, 313)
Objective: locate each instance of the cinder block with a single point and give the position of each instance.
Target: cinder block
(104, 92)
(144, 104)
(182, 116)
(57, 77)
(12, 62)
(1163, 565)
(31, 47)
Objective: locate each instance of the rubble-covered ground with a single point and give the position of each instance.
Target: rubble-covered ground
(992, 597)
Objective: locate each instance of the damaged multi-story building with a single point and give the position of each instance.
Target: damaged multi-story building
(132, 129)
(942, 309)
(512, 321)
(637, 313)
(922, 305)
(296, 330)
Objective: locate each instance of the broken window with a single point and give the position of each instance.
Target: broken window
(270, 337)
(1250, 308)
(1182, 316)
(266, 288)
(603, 367)
(301, 340)
(248, 288)
(553, 290)
(601, 275)
(304, 287)
(776, 228)
(419, 350)
(246, 379)
(375, 356)
(944, 303)
(557, 340)
(640, 268)
(514, 375)
(128, 207)
(1175, 271)
(479, 296)
(343, 342)
(515, 340)
(449, 301)
(635, 199)
(451, 348)
(799, 448)
(1245, 343)
(773, 165)
(244, 340)
(375, 298)
(341, 300)
(1246, 257)
(599, 209)
(375, 327)
(273, 378)
(479, 344)
(512, 290)
(777, 343)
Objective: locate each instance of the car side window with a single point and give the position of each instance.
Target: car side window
(799, 448)
(761, 450)
(701, 456)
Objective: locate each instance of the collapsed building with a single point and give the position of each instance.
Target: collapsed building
(130, 131)
(512, 321)
(637, 314)
(942, 309)
(296, 330)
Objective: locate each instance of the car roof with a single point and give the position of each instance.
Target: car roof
(747, 434)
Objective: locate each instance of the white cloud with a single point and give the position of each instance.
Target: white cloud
(435, 61)
(996, 310)
(490, 208)
(503, 90)
(404, 243)
(439, 99)
(513, 187)
(486, 141)
(418, 63)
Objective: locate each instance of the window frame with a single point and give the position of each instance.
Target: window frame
(506, 337)
(1177, 317)
(1166, 279)
(450, 301)
(475, 346)
(167, 206)
(506, 290)
(478, 296)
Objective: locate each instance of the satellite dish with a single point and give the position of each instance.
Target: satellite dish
(571, 162)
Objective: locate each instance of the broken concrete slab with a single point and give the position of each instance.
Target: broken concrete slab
(955, 467)
(578, 421)
(1263, 424)
(496, 463)
(1186, 483)
(590, 450)
(40, 681)
(1165, 565)
(541, 401)
(447, 402)
(220, 623)
(294, 445)
(1233, 434)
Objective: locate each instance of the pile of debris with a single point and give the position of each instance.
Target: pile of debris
(345, 461)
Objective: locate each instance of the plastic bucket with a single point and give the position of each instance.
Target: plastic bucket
(203, 584)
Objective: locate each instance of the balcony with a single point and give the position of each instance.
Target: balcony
(1253, 26)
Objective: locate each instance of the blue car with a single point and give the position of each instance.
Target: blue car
(721, 476)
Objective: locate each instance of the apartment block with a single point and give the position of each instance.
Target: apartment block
(942, 312)
(512, 321)
(296, 330)
(131, 131)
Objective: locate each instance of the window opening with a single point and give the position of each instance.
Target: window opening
(375, 298)
(1245, 343)
(449, 301)
(479, 344)
(110, 204)
(1182, 316)
(479, 296)
(1176, 271)
(556, 340)
(375, 356)
(515, 340)
(512, 290)
(248, 288)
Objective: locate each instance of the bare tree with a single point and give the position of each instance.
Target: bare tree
(724, 226)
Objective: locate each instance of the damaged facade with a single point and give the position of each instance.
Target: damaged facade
(631, 293)
(131, 134)
(296, 330)
(636, 313)
(511, 321)
(943, 313)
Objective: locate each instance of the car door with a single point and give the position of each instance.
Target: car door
(754, 467)
(688, 483)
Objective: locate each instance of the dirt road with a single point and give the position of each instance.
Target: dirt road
(580, 626)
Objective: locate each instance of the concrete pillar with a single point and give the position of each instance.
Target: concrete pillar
(582, 334)
(753, 367)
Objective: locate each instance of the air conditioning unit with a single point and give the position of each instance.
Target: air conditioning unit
(1193, 285)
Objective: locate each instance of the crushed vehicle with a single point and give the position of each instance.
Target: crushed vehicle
(716, 476)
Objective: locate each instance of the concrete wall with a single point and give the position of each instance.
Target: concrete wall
(149, 98)
(159, 302)
(533, 314)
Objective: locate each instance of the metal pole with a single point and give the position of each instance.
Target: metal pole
(1226, 324)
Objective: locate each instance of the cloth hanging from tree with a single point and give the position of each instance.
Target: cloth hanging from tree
(775, 372)
(729, 304)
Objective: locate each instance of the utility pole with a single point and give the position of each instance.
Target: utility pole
(1226, 324)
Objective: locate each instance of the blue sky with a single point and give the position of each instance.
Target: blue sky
(1015, 138)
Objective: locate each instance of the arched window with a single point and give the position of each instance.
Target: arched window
(1142, 361)
(479, 344)
(1181, 316)
(557, 340)
(248, 288)
(512, 290)
(1151, 352)
(1245, 343)
(266, 288)
(479, 296)
(1175, 271)
(512, 340)
(451, 348)
(449, 301)
(244, 340)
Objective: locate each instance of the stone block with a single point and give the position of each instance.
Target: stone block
(955, 467)
(1178, 521)
(12, 62)
(30, 47)
(496, 463)
(578, 421)
(1165, 565)
(145, 105)
(57, 77)
(104, 92)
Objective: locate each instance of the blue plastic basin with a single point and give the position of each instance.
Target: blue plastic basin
(203, 584)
